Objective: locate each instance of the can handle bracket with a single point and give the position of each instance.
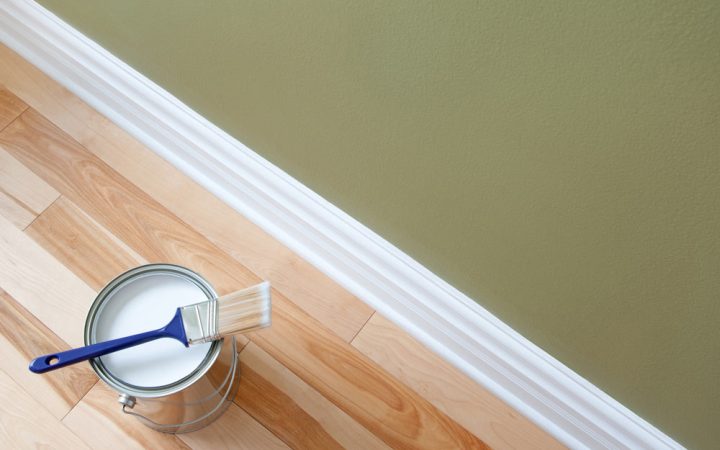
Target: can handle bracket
(126, 400)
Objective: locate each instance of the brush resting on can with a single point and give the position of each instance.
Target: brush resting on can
(239, 312)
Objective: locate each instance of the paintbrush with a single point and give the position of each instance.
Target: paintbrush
(239, 312)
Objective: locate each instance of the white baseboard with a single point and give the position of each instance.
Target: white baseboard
(533, 382)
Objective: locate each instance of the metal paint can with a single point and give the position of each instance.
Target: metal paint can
(168, 387)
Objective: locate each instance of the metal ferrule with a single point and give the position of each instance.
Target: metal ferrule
(201, 322)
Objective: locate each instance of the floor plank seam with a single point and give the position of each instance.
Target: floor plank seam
(16, 117)
(80, 400)
(19, 202)
(41, 213)
(242, 347)
(361, 328)
(30, 313)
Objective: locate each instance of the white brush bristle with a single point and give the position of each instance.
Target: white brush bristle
(245, 310)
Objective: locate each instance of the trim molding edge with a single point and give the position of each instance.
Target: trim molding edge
(560, 401)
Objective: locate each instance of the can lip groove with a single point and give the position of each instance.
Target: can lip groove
(97, 306)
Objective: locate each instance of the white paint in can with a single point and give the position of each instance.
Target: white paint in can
(149, 302)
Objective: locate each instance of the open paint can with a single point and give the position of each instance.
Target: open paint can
(169, 387)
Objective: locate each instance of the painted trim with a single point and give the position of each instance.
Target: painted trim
(531, 381)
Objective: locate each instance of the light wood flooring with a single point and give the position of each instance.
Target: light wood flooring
(81, 201)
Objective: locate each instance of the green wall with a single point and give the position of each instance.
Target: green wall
(559, 162)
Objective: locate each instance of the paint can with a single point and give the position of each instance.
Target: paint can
(167, 386)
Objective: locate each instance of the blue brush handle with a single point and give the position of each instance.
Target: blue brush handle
(174, 329)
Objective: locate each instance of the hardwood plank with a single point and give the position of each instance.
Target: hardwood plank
(24, 423)
(23, 186)
(322, 359)
(41, 284)
(235, 429)
(10, 107)
(448, 389)
(294, 410)
(277, 412)
(22, 338)
(15, 212)
(99, 421)
(312, 290)
(84, 246)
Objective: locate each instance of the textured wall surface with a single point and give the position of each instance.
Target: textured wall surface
(557, 161)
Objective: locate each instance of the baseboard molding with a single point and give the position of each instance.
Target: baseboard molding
(553, 396)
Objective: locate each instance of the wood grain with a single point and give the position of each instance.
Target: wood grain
(313, 291)
(41, 284)
(277, 412)
(367, 393)
(445, 387)
(274, 395)
(24, 423)
(84, 246)
(10, 107)
(22, 338)
(99, 421)
(24, 187)
(322, 359)
(235, 429)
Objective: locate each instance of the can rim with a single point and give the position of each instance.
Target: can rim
(121, 280)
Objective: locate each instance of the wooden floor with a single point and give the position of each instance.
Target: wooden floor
(82, 201)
